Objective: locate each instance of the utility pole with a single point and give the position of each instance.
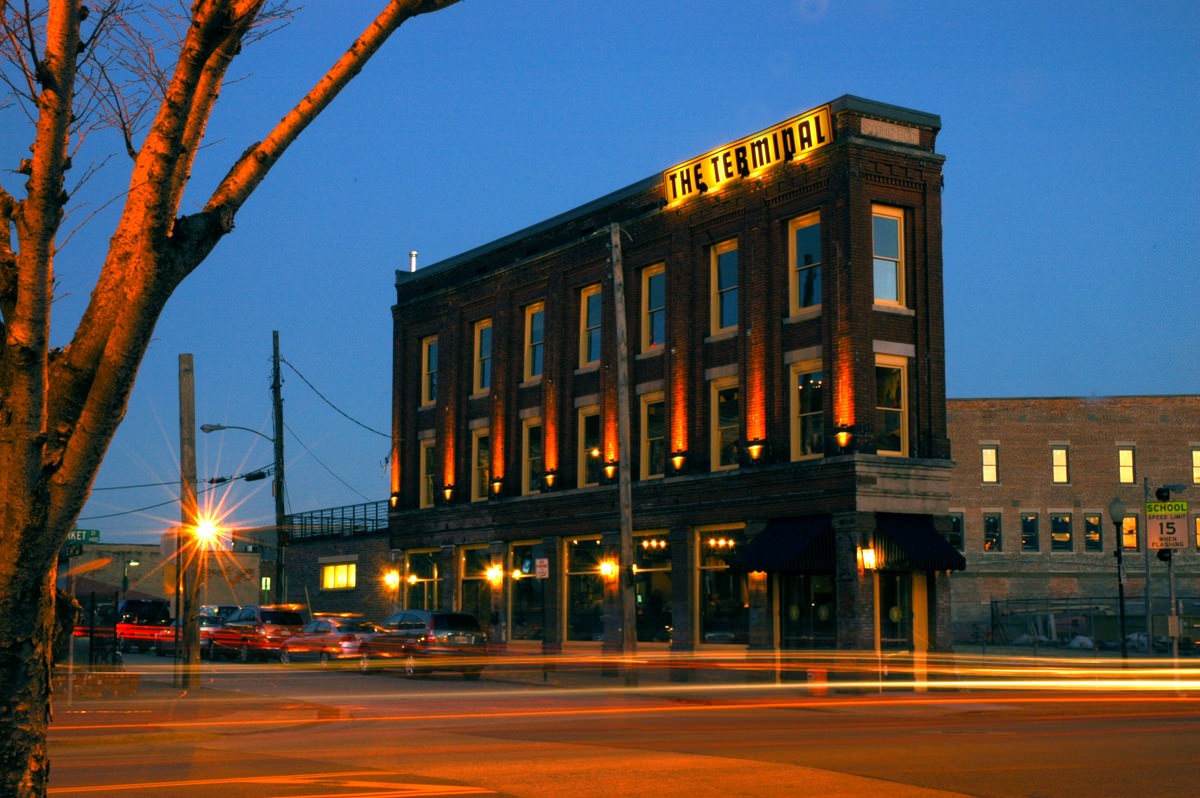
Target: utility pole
(624, 463)
(186, 551)
(277, 486)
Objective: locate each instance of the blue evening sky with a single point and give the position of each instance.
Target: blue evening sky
(1071, 195)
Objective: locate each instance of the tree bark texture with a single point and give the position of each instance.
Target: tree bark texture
(60, 409)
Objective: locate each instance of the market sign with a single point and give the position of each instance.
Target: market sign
(84, 535)
(747, 157)
(1166, 525)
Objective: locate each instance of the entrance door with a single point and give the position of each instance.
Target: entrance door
(895, 610)
(807, 609)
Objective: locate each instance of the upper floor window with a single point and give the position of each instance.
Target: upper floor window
(726, 423)
(481, 464)
(724, 305)
(1060, 473)
(532, 457)
(808, 410)
(428, 465)
(993, 535)
(1029, 532)
(589, 446)
(654, 436)
(535, 340)
(429, 367)
(654, 306)
(887, 227)
(1125, 470)
(1093, 533)
(955, 536)
(483, 355)
(1060, 532)
(990, 456)
(891, 406)
(589, 325)
(804, 254)
(1196, 466)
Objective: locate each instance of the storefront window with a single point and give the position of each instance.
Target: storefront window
(724, 598)
(652, 587)
(528, 600)
(808, 620)
(895, 610)
(585, 589)
(424, 571)
(476, 591)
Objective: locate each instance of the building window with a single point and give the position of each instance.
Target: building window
(724, 599)
(483, 355)
(1093, 533)
(531, 457)
(535, 340)
(808, 411)
(1060, 532)
(585, 589)
(652, 586)
(339, 575)
(654, 436)
(481, 464)
(1125, 470)
(1129, 533)
(1197, 522)
(429, 365)
(527, 606)
(726, 424)
(955, 537)
(654, 306)
(1029, 532)
(423, 570)
(590, 309)
(1196, 466)
(990, 456)
(474, 590)
(804, 245)
(891, 413)
(589, 446)
(1058, 463)
(887, 227)
(724, 303)
(993, 538)
(428, 473)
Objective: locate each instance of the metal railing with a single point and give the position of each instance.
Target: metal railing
(347, 521)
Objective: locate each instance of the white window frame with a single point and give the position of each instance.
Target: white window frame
(718, 292)
(480, 477)
(795, 308)
(656, 397)
(535, 343)
(586, 454)
(590, 327)
(797, 371)
(650, 313)
(715, 430)
(531, 471)
(429, 358)
(901, 363)
(483, 359)
(427, 491)
(897, 263)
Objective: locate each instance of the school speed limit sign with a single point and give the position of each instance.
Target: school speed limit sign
(1166, 525)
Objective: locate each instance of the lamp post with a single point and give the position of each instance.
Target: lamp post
(1116, 511)
(125, 575)
(276, 488)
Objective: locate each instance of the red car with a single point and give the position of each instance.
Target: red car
(256, 632)
(327, 638)
(424, 640)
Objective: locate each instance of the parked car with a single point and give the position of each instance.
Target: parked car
(222, 611)
(139, 621)
(164, 641)
(423, 640)
(327, 638)
(256, 632)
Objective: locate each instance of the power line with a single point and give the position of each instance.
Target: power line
(331, 404)
(327, 468)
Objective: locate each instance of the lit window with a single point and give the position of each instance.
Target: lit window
(993, 537)
(1058, 462)
(589, 446)
(1125, 472)
(1029, 532)
(804, 244)
(483, 355)
(428, 472)
(1060, 532)
(339, 576)
(429, 364)
(1129, 533)
(1093, 533)
(531, 456)
(535, 340)
(481, 464)
(724, 308)
(891, 414)
(726, 424)
(590, 309)
(808, 411)
(654, 306)
(1196, 466)
(724, 613)
(654, 436)
(990, 456)
(887, 228)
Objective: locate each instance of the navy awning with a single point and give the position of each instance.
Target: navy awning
(789, 545)
(910, 542)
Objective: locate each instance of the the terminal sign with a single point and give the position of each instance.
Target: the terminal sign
(747, 157)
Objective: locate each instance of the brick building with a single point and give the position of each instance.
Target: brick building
(1030, 496)
(710, 405)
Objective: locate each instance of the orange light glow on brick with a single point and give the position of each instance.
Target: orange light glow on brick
(679, 407)
(843, 384)
(550, 433)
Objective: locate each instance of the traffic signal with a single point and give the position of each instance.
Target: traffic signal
(1164, 555)
(1162, 494)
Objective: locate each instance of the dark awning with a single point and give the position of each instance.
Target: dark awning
(910, 542)
(789, 545)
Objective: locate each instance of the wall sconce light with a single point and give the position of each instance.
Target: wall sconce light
(756, 449)
(844, 433)
(549, 477)
(678, 461)
(394, 500)
(497, 487)
(448, 492)
(495, 575)
(392, 579)
(610, 469)
(517, 574)
(412, 579)
(609, 569)
(866, 559)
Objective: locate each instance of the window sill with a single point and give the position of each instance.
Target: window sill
(804, 314)
(531, 382)
(655, 352)
(588, 369)
(723, 335)
(899, 310)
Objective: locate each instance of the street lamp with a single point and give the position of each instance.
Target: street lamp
(1116, 511)
(277, 489)
(125, 575)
